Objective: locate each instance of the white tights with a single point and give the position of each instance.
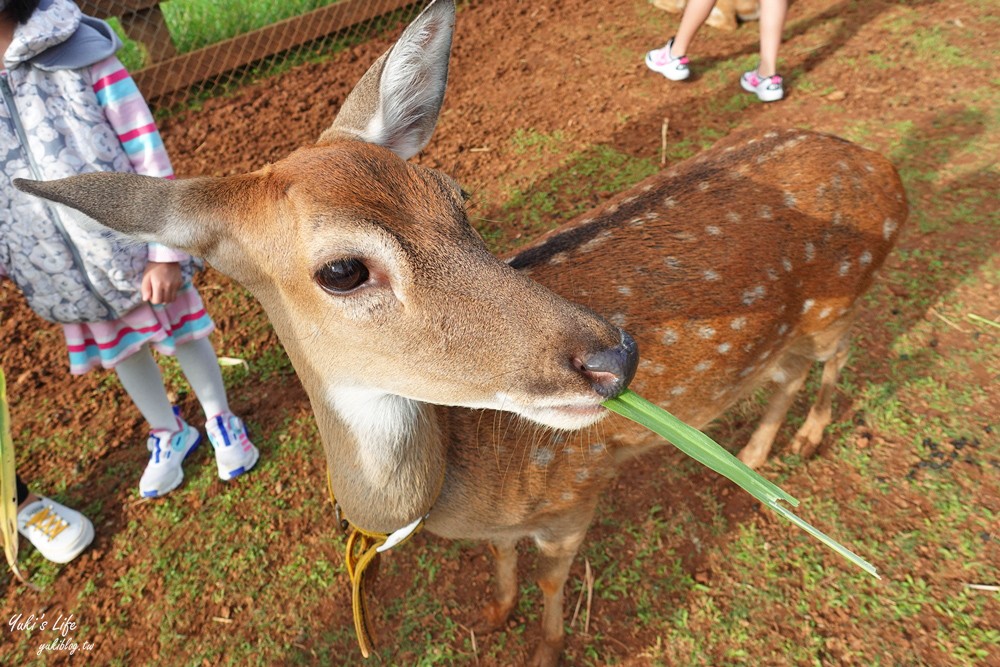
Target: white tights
(141, 378)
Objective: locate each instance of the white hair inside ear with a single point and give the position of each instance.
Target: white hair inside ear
(412, 84)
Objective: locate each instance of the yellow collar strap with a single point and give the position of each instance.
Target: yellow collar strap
(362, 552)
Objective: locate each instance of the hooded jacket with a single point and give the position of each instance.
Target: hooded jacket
(52, 126)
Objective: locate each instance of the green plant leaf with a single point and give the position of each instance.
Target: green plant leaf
(706, 451)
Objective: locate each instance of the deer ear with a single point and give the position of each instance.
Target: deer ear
(179, 214)
(397, 102)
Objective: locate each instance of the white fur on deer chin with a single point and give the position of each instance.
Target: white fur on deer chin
(558, 413)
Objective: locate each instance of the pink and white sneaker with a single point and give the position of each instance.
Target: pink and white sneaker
(234, 453)
(664, 62)
(767, 89)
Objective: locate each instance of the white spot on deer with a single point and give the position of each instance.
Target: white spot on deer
(706, 332)
(648, 366)
(582, 475)
(810, 251)
(765, 212)
(807, 305)
(783, 329)
(672, 262)
(647, 187)
(702, 366)
(752, 295)
(567, 496)
(719, 393)
(838, 217)
(652, 215)
(778, 375)
(841, 165)
(629, 200)
(733, 217)
(844, 268)
(596, 242)
(786, 264)
(771, 273)
(770, 134)
(597, 448)
(865, 259)
(613, 208)
(825, 313)
(678, 390)
(542, 457)
(704, 186)
(764, 355)
(713, 230)
(625, 290)
(558, 258)
(669, 202)
(636, 222)
(669, 337)
(869, 168)
(820, 190)
(888, 228)
(789, 199)
(586, 221)
(724, 348)
(747, 371)
(738, 323)
(730, 149)
(711, 276)
(618, 319)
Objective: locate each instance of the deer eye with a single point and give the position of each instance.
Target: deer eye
(342, 275)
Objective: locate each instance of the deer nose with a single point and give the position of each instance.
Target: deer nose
(610, 371)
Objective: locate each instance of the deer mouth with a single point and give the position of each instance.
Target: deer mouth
(568, 415)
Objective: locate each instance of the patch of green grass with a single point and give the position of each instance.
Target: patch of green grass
(570, 190)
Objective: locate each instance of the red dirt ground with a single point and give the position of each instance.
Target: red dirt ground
(539, 65)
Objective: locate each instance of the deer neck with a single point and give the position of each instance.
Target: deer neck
(385, 453)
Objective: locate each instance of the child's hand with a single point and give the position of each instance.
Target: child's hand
(161, 282)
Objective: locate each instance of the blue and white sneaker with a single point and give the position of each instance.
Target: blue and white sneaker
(167, 453)
(234, 453)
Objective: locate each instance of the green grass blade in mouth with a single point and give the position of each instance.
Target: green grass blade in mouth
(706, 451)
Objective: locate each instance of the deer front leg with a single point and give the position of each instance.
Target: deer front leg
(553, 567)
(811, 433)
(795, 369)
(495, 613)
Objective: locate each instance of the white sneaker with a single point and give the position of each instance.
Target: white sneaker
(164, 473)
(767, 89)
(234, 453)
(664, 62)
(58, 532)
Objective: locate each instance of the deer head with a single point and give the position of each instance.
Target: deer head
(378, 286)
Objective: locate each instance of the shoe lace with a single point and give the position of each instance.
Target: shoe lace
(47, 522)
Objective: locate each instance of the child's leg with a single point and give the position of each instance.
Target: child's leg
(141, 378)
(234, 453)
(201, 368)
(772, 23)
(694, 16)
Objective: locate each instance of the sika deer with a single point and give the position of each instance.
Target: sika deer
(426, 359)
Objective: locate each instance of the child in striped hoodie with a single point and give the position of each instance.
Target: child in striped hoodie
(70, 107)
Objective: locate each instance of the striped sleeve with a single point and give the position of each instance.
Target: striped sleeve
(132, 121)
(130, 118)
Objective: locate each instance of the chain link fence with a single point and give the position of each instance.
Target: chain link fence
(179, 49)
